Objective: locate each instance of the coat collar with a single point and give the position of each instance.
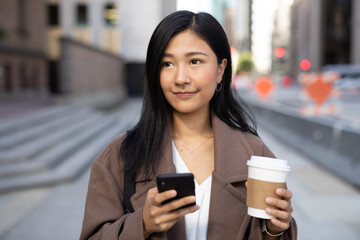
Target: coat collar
(228, 153)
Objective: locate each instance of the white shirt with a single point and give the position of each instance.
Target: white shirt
(196, 223)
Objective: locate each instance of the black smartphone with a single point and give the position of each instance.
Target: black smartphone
(183, 183)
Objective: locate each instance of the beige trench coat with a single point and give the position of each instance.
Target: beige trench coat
(104, 217)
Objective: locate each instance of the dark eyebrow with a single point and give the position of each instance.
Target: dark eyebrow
(190, 54)
(196, 53)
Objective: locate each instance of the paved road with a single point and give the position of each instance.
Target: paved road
(325, 206)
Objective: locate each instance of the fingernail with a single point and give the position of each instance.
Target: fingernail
(173, 193)
(278, 191)
(268, 210)
(268, 200)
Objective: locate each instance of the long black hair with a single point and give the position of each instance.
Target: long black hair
(142, 146)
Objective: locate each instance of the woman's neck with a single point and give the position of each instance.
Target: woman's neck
(192, 126)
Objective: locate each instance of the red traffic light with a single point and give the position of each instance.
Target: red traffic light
(279, 52)
(305, 65)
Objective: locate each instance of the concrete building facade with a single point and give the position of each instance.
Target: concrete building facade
(76, 47)
(23, 64)
(324, 32)
(120, 28)
(83, 40)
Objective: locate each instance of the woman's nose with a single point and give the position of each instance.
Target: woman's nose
(182, 75)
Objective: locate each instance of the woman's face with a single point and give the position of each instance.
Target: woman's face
(190, 73)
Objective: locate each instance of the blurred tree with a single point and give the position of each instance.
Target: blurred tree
(245, 62)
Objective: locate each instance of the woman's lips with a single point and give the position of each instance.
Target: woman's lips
(185, 94)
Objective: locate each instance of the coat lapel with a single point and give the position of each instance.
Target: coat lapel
(228, 213)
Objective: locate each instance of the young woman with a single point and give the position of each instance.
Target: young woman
(190, 122)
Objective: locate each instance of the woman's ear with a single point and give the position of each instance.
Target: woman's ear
(221, 69)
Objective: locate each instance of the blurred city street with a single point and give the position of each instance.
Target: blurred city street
(325, 206)
(347, 105)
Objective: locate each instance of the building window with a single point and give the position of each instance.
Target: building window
(53, 15)
(81, 15)
(5, 78)
(23, 77)
(8, 80)
(111, 15)
(336, 31)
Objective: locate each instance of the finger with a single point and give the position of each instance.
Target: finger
(161, 197)
(280, 224)
(183, 211)
(153, 191)
(284, 193)
(282, 215)
(177, 214)
(246, 184)
(278, 203)
(167, 219)
(166, 225)
(176, 204)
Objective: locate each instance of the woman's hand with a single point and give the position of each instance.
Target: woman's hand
(281, 209)
(158, 217)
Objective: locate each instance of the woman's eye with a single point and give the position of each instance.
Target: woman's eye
(195, 61)
(167, 64)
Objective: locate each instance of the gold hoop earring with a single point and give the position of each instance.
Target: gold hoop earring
(218, 89)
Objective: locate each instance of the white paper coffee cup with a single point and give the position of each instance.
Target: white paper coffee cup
(264, 176)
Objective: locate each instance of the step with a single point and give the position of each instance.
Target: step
(20, 136)
(69, 169)
(15, 123)
(35, 147)
(55, 155)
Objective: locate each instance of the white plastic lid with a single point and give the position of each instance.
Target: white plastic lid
(269, 163)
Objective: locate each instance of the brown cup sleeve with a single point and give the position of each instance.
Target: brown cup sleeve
(258, 190)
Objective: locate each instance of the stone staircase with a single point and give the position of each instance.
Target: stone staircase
(56, 144)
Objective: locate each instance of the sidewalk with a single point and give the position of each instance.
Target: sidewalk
(57, 212)
(52, 212)
(16, 106)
